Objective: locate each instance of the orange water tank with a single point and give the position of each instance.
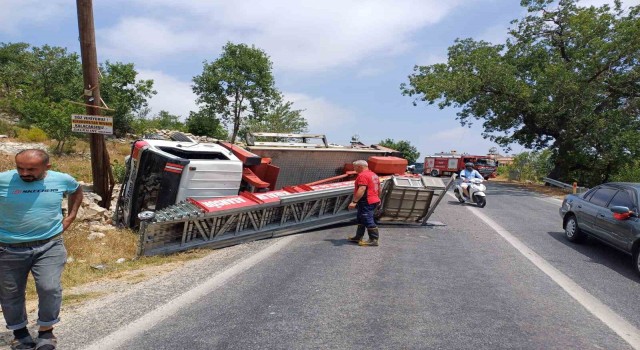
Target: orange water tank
(387, 165)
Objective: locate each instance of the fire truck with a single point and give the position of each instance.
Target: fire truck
(445, 164)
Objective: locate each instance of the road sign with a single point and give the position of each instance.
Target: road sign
(92, 124)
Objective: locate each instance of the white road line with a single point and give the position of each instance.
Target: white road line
(150, 319)
(622, 327)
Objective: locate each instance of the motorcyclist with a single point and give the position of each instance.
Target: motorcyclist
(466, 175)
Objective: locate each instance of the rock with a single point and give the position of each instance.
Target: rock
(95, 235)
(101, 228)
(99, 267)
(15, 147)
(94, 212)
(70, 260)
(4, 137)
(121, 260)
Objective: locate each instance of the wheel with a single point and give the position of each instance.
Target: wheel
(481, 201)
(434, 173)
(636, 260)
(572, 231)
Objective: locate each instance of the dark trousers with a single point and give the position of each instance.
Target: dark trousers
(365, 214)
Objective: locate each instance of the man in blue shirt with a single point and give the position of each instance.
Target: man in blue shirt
(31, 225)
(467, 174)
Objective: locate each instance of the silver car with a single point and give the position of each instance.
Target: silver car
(608, 212)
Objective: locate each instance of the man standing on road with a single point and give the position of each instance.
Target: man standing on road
(365, 198)
(31, 225)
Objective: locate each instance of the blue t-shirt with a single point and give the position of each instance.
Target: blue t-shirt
(32, 211)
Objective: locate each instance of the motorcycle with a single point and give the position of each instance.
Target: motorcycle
(476, 191)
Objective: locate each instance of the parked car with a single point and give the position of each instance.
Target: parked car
(608, 212)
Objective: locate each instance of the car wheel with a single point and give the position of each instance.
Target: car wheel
(636, 260)
(572, 231)
(434, 173)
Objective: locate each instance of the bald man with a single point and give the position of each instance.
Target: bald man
(31, 226)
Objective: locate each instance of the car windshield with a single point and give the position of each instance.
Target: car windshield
(487, 162)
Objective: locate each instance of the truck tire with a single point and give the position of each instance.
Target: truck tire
(434, 173)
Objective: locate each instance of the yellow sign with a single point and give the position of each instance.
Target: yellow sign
(92, 124)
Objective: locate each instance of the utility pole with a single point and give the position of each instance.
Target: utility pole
(100, 165)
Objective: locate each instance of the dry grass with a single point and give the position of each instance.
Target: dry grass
(93, 260)
(77, 163)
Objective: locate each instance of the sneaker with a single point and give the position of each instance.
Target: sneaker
(369, 243)
(353, 239)
(25, 343)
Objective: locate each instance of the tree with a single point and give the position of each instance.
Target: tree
(203, 124)
(567, 79)
(16, 67)
(123, 93)
(409, 152)
(279, 118)
(38, 85)
(237, 84)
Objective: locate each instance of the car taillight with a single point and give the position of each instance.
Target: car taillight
(621, 216)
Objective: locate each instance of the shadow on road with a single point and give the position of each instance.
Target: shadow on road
(339, 242)
(602, 254)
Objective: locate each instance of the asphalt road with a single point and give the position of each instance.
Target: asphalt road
(459, 286)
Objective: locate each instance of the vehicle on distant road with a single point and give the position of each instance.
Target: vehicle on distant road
(609, 213)
(445, 164)
(416, 168)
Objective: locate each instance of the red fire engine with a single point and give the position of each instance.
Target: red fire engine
(444, 164)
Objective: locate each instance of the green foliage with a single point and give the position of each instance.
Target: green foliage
(123, 93)
(529, 166)
(503, 171)
(236, 85)
(628, 173)
(168, 121)
(6, 128)
(55, 118)
(567, 79)
(279, 118)
(409, 152)
(203, 124)
(119, 171)
(37, 82)
(32, 134)
(141, 125)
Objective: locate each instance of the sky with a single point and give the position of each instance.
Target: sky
(341, 61)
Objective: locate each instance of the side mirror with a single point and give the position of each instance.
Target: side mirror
(621, 213)
(620, 210)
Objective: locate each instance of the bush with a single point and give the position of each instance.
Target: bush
(629, 173)
(32, 134)
(6, 128)
(503, 171)
(68, 147)
(119, 171)
(530, 166)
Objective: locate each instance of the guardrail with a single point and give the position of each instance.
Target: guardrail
(567, 187)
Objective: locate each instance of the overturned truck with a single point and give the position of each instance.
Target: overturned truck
(183, 194)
